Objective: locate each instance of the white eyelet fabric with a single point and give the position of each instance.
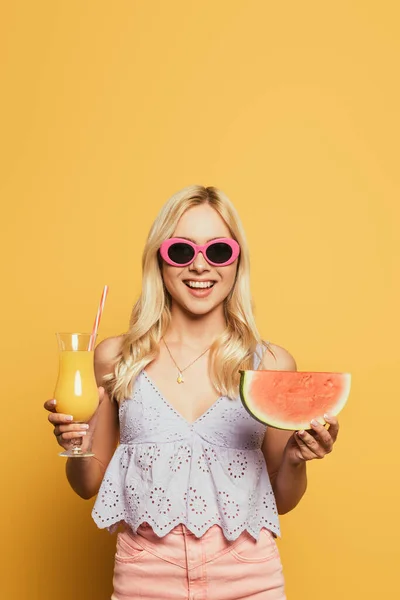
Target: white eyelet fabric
(167, 471)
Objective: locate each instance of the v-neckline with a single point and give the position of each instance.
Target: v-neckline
(189, 423)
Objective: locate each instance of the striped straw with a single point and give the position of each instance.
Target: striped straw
(98, 317)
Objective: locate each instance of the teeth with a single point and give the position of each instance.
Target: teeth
(200, 284)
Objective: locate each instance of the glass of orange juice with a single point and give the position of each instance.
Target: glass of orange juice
(76, 389)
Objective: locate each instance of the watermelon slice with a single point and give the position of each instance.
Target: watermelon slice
(290, 399)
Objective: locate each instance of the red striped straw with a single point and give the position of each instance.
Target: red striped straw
(98, 317)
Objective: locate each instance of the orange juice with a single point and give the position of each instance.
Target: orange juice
(76, 389)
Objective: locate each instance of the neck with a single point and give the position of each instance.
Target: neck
(196, 331)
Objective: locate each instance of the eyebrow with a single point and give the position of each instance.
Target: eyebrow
(194, 242)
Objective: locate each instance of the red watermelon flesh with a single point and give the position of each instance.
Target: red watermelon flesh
(290, 399)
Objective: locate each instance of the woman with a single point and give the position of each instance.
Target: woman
(196, 483)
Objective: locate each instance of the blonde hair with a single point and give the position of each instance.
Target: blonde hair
(233, 349)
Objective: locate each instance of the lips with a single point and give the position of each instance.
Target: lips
(200, 292)
(201, 287)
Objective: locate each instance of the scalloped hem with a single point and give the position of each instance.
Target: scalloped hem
(255, 533)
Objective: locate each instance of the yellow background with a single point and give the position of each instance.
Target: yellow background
(292, 109)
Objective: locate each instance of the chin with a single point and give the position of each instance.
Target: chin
(200, 308)
(202, 311)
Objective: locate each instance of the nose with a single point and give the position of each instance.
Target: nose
(199, 264)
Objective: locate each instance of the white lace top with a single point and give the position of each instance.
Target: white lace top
(168, 471)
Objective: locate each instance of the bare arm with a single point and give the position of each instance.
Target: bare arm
(289, 481)
(86, 474)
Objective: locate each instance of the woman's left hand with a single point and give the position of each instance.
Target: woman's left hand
(312, 443)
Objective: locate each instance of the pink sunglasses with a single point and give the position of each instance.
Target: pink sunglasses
(179, 252)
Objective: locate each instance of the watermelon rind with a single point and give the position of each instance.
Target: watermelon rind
(246, 377)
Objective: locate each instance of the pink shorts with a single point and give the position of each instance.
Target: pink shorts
(180, 566)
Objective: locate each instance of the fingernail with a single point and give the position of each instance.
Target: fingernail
(302, 432)
(52, 402)
(69, 418)
(327, 417)
(84, 426)
(82, 432)
(314, 422)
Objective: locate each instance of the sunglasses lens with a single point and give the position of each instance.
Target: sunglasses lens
(219, 253)
(180, 253)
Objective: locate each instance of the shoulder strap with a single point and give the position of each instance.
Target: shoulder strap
(259, 354)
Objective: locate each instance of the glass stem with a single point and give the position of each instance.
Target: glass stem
(76, 445)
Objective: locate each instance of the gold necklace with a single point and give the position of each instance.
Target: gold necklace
(180, 371)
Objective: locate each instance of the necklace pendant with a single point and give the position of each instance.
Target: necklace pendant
(180, 378)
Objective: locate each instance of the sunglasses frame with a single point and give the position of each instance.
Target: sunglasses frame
(165, 246)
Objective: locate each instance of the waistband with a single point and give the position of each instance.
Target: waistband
(173, 547)
(179, 529)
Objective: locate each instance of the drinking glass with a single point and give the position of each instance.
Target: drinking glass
(76, 389)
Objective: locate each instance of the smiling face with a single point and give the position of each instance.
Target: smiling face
(200, 224)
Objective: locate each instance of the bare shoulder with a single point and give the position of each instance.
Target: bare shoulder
(107, 351)
(278, 359)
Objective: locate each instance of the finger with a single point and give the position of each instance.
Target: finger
(305, 451)
(59, 429)
(311, 443)
(57, 418)
(70, 435)
(333, 426)
(323, 434)
(50, 405)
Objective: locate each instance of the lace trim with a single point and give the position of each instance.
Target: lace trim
(197, 531)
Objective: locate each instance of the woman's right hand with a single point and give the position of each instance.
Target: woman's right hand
(65, 431)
